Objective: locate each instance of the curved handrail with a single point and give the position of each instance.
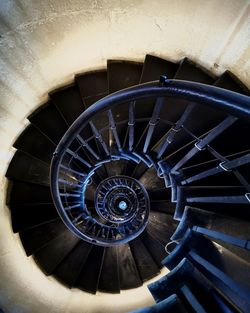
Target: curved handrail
(227, 101)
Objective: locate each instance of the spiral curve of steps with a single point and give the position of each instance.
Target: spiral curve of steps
(147, 183)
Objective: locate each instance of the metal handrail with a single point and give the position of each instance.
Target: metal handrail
(226, 101)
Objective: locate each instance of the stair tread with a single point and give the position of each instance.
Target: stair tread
(115, 168)
(33, 142)
(25, 168)
(49, 121)
(156, 249)
(189, 70)
(122, 74)
(68, 102)
(109, 278)
(69, 269)
(161, 226)
(128, 273)
(26, 193)
(26, 216)
(139, 170)
(36, 237)
(229, 81)
(92, 83)
(50, 256)
(88, 279)
(160, 194)
(165, 206)
(151, 181)
(145, 263)
(154, 67)
(88, 101)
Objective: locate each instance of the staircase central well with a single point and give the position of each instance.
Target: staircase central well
(122, 199)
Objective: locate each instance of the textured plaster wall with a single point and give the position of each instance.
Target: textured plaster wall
(43, 44)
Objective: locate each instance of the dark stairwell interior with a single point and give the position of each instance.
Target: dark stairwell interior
(146, 182)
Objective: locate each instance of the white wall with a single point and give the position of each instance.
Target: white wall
(44, 43)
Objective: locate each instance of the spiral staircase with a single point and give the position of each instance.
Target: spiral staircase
(108, 186)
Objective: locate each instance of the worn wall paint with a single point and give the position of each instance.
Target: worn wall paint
(43, 44)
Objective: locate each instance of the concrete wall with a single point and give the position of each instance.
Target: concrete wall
(43, 44)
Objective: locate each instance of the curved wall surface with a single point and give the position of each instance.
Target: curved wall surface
(43, 44)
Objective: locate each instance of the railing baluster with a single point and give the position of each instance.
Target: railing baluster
(201, 144)
(98, 136)
(152, 123)
(76, 156)
(76, 219)
(176, 128)
(87, 146)
(223, 166)
(69, 183)
(113, 131)
(131, 123)
(69, 169)
(68, 208)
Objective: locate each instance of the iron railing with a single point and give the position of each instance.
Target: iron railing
(91, 185)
